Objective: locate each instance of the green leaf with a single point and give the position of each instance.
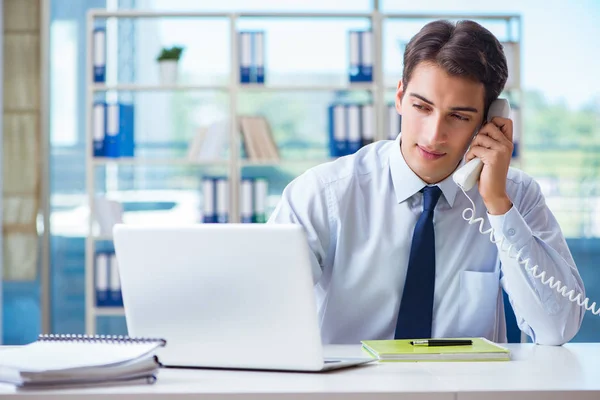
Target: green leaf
(172, 53)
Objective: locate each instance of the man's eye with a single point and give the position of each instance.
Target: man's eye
(460, 117)
(418, 107)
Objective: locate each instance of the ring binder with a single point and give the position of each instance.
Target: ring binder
(99, 339)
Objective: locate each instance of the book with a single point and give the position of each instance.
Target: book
(54, 361)
(258, 141)
(402, 350)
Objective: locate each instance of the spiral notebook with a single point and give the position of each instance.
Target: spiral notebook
(80, 360)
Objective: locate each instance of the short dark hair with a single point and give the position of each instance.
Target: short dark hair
(464, 49)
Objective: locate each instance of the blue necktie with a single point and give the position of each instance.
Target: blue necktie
(416, 307)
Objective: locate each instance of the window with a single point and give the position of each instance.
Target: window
(561, 107)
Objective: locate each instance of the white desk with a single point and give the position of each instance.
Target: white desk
(535, 372)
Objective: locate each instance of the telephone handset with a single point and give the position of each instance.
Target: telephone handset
(466, 177)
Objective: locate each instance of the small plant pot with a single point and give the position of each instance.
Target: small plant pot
(169, 72)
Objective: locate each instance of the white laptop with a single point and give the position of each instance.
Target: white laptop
(223, 295)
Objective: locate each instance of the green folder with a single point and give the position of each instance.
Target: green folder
(402, 350)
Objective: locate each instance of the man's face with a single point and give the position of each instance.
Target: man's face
(440, 114)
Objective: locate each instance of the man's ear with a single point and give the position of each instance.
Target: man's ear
(399, 94)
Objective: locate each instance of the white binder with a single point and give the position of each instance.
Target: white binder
(222, 188)
(259, 56)
(208, 203)
(115, 282)
(354, 54)
(367, 124)
(99, 55)
(112, 142)
(99, 129)
(340, 133)
(101, 279)
(366, 62)
(260, 200)
(354, 138)
(246, 210)
(245, 56)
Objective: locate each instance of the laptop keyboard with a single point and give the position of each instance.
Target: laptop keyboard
(332, 361)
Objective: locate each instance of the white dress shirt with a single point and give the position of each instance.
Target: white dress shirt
(359, 213)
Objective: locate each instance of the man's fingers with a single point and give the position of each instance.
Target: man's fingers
(486, 141)
(505, 126)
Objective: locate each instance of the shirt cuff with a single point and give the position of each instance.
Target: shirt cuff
(512, 226)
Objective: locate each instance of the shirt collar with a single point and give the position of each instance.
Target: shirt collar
(407, 183)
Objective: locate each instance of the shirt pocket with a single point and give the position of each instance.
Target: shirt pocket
(478, 303)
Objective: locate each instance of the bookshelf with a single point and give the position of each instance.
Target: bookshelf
(234, 165)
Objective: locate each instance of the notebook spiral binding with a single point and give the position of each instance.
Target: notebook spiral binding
(98, 339)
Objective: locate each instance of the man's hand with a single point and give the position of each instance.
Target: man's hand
(493, 146)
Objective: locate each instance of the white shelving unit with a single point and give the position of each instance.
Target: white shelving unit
(234, 164)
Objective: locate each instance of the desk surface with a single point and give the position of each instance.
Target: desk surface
(535, 372)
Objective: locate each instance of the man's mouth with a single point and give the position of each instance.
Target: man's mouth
(430, 154)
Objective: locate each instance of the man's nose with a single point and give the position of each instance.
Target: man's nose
(435, 130)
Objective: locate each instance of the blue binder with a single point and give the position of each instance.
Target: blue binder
(258, 56)
(261, 193)
(366, 56)
(247, 197)
(101, 278)
(209, 215)
(354, 56)
(99, 55)
(367, 126)
(115, 295)
(338, 140)
(126, 130)
(99, 128)
(360, 50)
(112, 141)
(245, 55)
(222, 199)
(353, 128)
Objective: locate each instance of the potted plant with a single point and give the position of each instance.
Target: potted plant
(168, 60)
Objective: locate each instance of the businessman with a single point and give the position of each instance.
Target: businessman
(392, 255)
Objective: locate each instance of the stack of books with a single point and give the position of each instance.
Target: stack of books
(259, 143)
